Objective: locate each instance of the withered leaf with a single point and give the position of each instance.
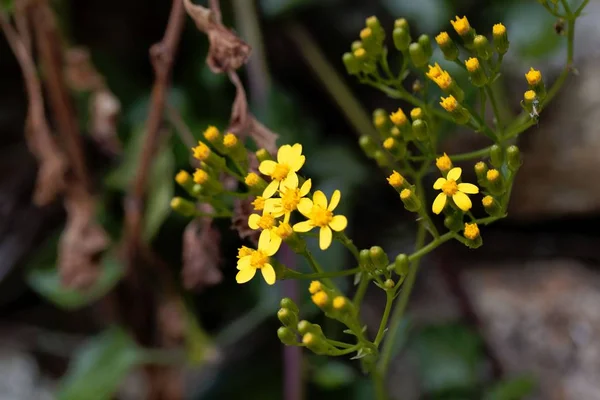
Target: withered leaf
(201, 255)
(80, 73)
(241, 211)
(227, 52)
(104, 111)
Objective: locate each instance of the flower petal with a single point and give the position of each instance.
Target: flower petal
(325, 236)
(439, 203)
(439, 183)
(283, 154)
(296, 150)
(272, 206)
(290, 181)
(245, 275)
(297, 162)
(244, 262)
(253, 221)
(264, 240)
(303, 226)
(305, 206)
(462, 201)
(338, 223)
(468, 188)
(286, 217)
(305, 188)
(454, 173)
(274, 243)
(268, 273)
(267, 167)
(270, 189)
(320, 199)
(335, 200)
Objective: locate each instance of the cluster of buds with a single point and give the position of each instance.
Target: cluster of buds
(366, 52)
(496, 180)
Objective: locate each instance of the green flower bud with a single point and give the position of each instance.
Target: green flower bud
(305, 327)
(491, 206)
(183, 206)
(365, 259)
(410, 200)
(425, 43)
(378, 257)
(351, 63)
(389, 284)
(287, 336)
(381, 120)
(496, 156)
(402, 23)
(396, 148)
(357, 44)
(482, 47)
(197, 190)
(495, 182)
(367, 145)
(420, 130)
(454, 222)
(513, 156)
(401, 38)
(417, 55)
(287, 317)
(447, 46)
(500, 38)
(381, 159)
(315, 343)
(288, 303)
(481, 170)
(373, 23)
(263, 155)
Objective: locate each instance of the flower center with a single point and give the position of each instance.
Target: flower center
(266, 221)
(450, 187)
(258, 259)
(280, 172)
(320, 216)
(259, 203)
(290, 199)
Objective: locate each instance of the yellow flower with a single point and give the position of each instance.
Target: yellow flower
(182, 177)
(315, 286)
(230, 140)
(450, 188)
(533, 77)
(449, 103)
(266, 223)
(288, 202)
(257, 260)
(398, 117)
(244, 251)
(201, 152)
(434, 71)
(444, 80)
(211, 134)
(200, 176)
(389, 143)
(498, 30)
(461, 25)
(395, 179)
(365, 33)
(258, 203)
(529, 95)
(320, 215)
(283, 172)
(443, 163)
(442, 39)
(471, 231)
(416, 113)
(472, 64)
(251, 179)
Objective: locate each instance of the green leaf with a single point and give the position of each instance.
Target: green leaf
(160, 192)
(333, 375)
(449, 357)
(43, 277)
(7, 6)
(99, 366)
(511, 389)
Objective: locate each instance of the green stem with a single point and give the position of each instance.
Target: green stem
(483, 101)
(316, 267)
(389, 300)
(291, 274)
(497, 115)
(458, 157)
(361, 290)
(349, 244)
(348, 350)
(340, 344)
(379, 382)
(331, 80)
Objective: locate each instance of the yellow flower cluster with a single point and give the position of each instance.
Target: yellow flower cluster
(282, 196)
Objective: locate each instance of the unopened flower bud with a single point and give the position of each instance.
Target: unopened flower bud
(287, 336)
(536, 83)
(501, 42)
(401, 38)
(367, 145)
(513, 157)
(212, 134)
(288, 303)
(491, 206)
(444, 164)
(357, 44)
(402, 23)
(315, 343)
(460, 114)
(351, 63)
(364, 257)
(454, 222)
(529, 101)
(255, 183)
(305, 327)
(425, 43)
(410, 200)
(495, 182)
(401, 265)
(496, 156)
(447, 46)
(395, 148)
(482, 47)
(321, 299)
(342, 305)
(183, 206)
(381, 159)
(378, 257)
(420, 130)
(417, 86)
(418, 56)
(263, 155)
(481, 170)
(472, 235)
(476, 72)
(463, 28)
(389, 284)
(381, 119)
(287, 317)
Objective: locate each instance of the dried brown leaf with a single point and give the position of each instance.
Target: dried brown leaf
(227, 52)
(80, 73)
(241, 211)
(82, 240)
(104, 111)
(201, 255)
